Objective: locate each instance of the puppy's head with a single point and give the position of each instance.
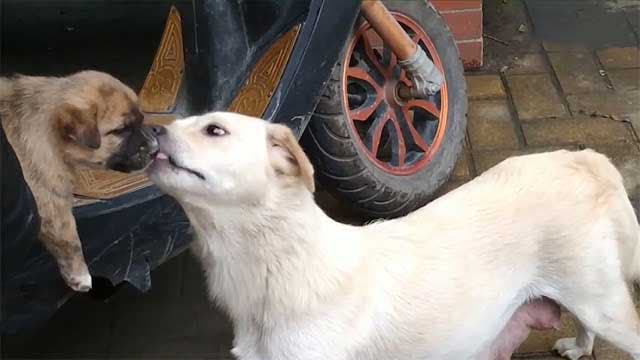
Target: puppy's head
(101, 125)
(229, 158)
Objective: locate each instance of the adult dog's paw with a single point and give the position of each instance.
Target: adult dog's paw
(568, 348)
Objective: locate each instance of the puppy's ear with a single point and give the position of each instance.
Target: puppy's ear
(79, 125)
(287, 157)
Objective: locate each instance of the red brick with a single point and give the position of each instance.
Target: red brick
(465, 25)
(471, 54)
(464, 18)
(445, 6)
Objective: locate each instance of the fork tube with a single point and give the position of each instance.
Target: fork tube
(388, 28)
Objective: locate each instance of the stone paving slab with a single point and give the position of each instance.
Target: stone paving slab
(620, 58)
(553, 46)
(578, 72)
(580, 21)
(490, 125)
(635, 123)
(620, 104)
(604, 351)
(450, 186)
(625, 79)
(463, 168)
(484, 160)
(575, 131)
(626, 157)
(633, 16)
(502, 20)
(535, 97)
(485, 87)
(530, 63)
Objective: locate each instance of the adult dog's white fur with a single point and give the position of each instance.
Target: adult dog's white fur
(439, 283)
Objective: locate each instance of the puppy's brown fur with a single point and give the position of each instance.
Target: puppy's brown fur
(55, 125)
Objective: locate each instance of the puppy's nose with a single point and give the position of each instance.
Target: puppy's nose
(158, 130)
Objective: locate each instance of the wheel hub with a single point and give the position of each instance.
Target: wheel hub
(399, 134)
(391, 93)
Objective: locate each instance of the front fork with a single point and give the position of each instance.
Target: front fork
(426, 78)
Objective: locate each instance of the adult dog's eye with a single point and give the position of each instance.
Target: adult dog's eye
(215, 130)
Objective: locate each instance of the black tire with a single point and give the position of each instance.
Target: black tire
(342, 167)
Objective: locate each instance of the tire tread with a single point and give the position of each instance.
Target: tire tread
(344, 171)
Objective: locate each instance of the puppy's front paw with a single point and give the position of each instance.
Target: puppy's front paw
(80, 281)
(568, 348)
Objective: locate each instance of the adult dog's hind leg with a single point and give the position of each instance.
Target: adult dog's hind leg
(612, 316)
(575, 348)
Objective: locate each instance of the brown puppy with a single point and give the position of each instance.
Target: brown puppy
(56, 125)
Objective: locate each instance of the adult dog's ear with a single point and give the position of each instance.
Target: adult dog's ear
(287, 157)
(79, 125)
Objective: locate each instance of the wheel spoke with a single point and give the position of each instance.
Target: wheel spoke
(360, 74)
(399, 150)
(393, 62)
(374, 39)
(374, 134)
(364, 112)
(389, 59)
(425, 105)
(411, 132)
(405, 79)
(368, 48)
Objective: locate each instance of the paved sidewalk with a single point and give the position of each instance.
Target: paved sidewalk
(538, 95)
(543, 91)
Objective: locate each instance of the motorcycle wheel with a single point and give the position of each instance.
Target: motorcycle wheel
(384, 155)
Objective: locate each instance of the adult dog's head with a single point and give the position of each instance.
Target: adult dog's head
(100, 123)
(228, 158)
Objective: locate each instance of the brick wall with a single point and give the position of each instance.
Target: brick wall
(465, 20)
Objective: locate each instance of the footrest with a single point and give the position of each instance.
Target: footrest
(157, 99)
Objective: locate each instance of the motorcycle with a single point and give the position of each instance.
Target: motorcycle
(375, 91)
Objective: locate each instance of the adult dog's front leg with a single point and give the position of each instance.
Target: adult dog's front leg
(245, 342)
(59, 234)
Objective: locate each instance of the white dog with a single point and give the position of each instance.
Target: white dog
(440, 283)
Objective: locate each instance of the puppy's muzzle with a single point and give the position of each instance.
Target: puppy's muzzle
(136, 152)
(150, 135)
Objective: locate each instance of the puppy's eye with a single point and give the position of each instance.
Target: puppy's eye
(119, 131)
(214, 130)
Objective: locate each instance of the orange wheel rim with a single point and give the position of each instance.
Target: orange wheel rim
(401, 137)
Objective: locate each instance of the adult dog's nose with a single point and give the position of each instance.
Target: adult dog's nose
(158, 130)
